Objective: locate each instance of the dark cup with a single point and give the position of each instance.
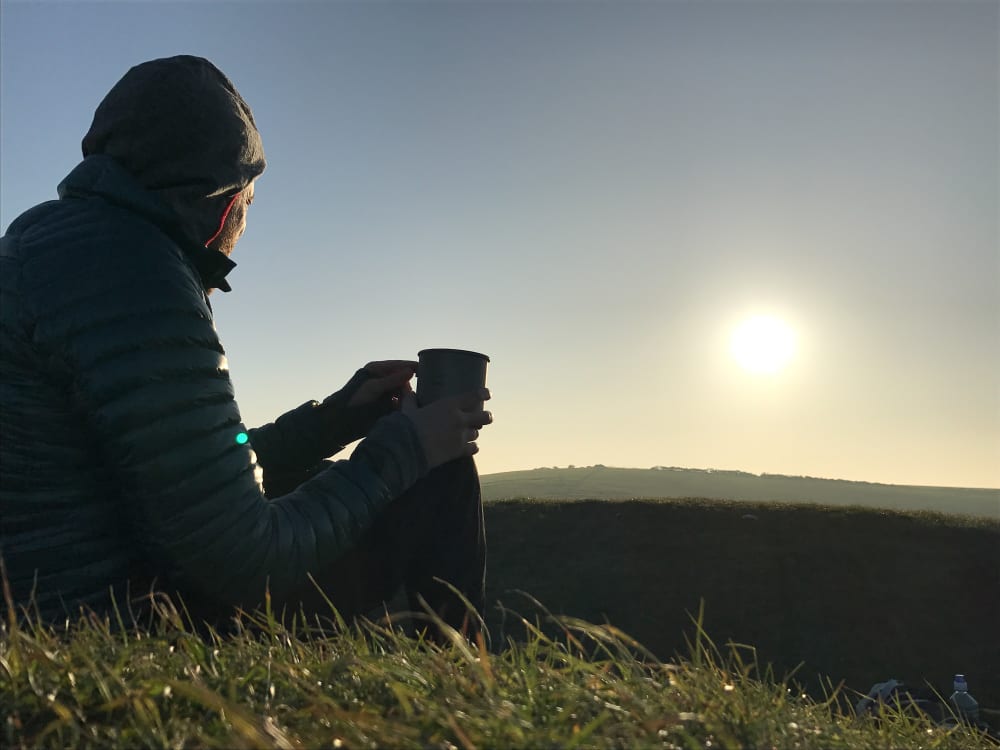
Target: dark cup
(449, 372)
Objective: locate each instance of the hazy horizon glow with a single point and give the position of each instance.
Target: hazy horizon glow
(596, 195)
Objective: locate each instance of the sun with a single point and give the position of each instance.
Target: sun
(763, 344)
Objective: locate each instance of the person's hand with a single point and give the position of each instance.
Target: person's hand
(387, 382)
(449, 427)
(374, 391)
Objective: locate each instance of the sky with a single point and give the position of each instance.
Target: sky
(596, 195)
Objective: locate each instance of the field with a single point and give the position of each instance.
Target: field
(841, 593)
(620, 642)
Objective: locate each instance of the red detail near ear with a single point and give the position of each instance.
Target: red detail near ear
(222, 221)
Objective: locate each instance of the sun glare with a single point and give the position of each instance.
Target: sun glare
(763, 344)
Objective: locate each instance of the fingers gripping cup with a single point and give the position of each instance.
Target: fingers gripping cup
(449, 372)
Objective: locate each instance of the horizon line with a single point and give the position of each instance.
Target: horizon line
(749, 474)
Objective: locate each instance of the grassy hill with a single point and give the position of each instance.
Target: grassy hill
(670, 482)
(851, 593)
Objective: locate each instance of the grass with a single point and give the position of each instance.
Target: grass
(312, 685)
(797, 582)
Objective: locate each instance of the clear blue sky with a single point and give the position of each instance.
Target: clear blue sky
(595, 194)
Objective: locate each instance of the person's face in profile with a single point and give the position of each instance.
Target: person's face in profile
(235, 226)
(236, 223)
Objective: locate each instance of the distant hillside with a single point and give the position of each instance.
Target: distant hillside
(607, 483)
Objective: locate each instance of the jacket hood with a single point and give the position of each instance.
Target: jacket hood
(181, 129)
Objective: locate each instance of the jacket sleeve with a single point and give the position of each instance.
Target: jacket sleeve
(151, 379)
(290, 448)
(298, 439)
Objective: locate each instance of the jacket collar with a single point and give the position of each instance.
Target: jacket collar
(102, 176)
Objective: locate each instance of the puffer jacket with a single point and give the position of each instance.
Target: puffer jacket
(122, 459)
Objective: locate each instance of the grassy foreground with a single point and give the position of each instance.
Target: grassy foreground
(275, 686)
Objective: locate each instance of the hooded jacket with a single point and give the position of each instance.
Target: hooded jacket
(124, 463)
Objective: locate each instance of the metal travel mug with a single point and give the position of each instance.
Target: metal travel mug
(449, 372)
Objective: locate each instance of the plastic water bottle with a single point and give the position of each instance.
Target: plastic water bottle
(964, 704)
